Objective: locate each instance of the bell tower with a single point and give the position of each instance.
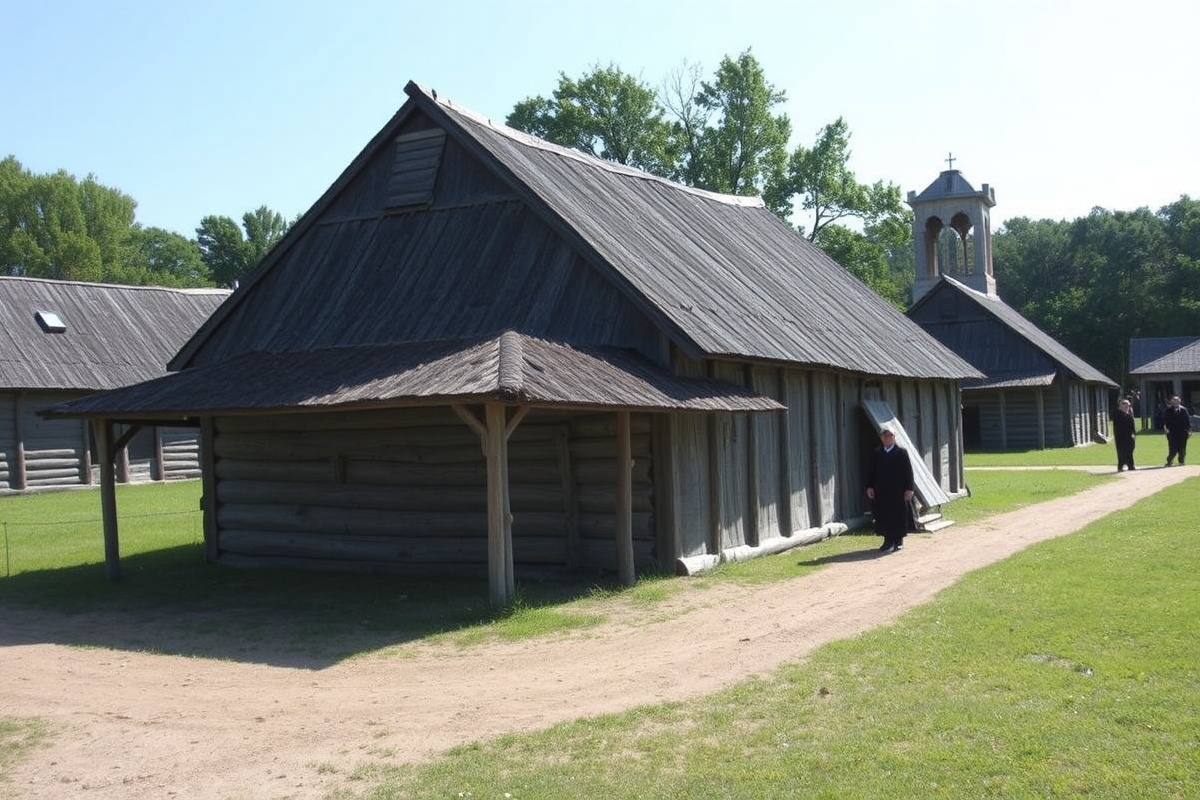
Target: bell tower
(952, 233)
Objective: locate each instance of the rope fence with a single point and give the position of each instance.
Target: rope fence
(51, 544)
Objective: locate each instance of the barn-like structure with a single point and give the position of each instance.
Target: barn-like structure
(63, 339)
(481, 351)
(1036, 393)
(1165, 367)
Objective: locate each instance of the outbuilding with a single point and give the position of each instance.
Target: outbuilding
(483, 352)
(66, 339)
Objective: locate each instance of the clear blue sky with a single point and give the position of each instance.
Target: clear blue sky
(197, 108)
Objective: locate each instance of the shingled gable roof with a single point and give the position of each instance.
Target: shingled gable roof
(721, 276)
(1182, 354)
(510, 367)
(1038, 338)
(110, 335)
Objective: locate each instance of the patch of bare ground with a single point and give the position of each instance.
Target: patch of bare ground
(136, 726)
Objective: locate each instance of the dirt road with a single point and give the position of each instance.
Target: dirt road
(135, 726)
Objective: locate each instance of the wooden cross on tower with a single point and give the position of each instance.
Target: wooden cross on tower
(950, 160)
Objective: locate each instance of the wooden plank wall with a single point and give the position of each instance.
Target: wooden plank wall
(801, 474)
(1019, 417)
(406, 490)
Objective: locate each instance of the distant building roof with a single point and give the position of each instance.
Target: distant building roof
(91, 336)
(1173, 355)
(1038, 338)
(950, 183)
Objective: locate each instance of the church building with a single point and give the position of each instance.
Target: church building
(1036, 393)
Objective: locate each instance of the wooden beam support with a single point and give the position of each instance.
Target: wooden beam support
(501, 583)
(625, 570)
(108, 497)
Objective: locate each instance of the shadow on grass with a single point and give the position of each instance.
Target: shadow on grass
(169, 601)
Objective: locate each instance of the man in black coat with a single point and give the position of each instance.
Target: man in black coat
(1124, 435)
(1177, 421)
(890, 488)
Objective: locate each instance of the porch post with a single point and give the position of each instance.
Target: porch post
(501, 583)
(108, 497)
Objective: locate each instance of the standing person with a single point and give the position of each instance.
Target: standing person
(890, 489)
(1177, 422)
(1123, 434)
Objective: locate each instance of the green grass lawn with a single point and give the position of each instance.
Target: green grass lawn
(1068, 670)
(1150, 451)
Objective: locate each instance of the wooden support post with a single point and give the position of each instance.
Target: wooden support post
(108, 498)
(17, 478)
(625, 571)
(122, 450)
(501, 583)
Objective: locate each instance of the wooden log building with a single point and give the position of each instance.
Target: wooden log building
(63, 340)
(480, 351)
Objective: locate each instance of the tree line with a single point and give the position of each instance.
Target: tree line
(1092, 283)
(56, 226)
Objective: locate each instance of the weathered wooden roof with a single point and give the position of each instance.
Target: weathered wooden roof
(110, 336)
(510, 368)
(719, 276)
(1164, 356)
(1035, 336)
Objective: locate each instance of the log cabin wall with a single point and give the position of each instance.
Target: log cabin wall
(38, 453)
(405, 490)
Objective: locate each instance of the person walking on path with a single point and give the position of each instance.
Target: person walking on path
(1177, 422)
(890, 488)
(1124, 435)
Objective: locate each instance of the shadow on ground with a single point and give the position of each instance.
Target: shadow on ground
(171, 602)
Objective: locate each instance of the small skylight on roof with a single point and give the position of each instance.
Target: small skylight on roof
(50, 321)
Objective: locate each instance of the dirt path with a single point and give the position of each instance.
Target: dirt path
(135, 726)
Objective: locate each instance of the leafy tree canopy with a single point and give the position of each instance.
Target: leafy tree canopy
(230, 256)
(725, 134)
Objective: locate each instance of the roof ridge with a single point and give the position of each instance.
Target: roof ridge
(511, 365)
(529, 140)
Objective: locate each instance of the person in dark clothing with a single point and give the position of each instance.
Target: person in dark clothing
(890, 488)
(1124, 435)
(1177, 422)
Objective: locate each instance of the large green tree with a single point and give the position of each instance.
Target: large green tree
(607, 113)
(228, 254)
(724, 134)
(741, 147)
(54, 226)
(1098, 281)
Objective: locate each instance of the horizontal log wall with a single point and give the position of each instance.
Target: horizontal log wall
(39, 453)
(406, 491)
(54, 449)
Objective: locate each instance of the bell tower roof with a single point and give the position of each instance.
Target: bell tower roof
(951, 185)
